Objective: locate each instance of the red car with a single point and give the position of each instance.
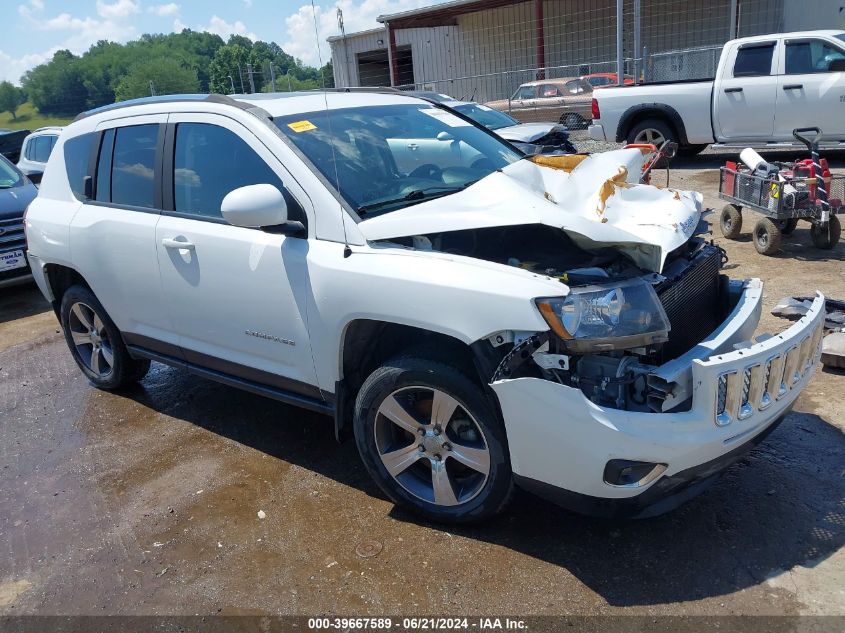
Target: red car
(601, 80)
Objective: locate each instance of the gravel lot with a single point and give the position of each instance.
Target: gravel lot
(147, 501)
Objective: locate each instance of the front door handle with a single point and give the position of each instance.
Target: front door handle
(413, 146)
(169, 242)
(794, 87)
(727, 90)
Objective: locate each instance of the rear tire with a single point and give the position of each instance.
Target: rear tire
(654, 131)
(730, 221)
(826, 237)
(95, 342)
(766, 236)
(453, 467)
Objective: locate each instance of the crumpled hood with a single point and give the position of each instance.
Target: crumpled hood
(596, 200)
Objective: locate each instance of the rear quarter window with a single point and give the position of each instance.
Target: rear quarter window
(77, 153)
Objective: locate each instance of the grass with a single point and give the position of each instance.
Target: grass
(28, 118)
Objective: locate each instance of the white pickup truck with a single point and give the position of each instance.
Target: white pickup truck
(765, 87)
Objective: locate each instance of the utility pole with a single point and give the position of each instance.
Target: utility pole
(152, 88)
(289, 87)
(251, 80)
(232, 81)
(637, 42)
(272, 76)
(346, 70)
(241, 74)
(620, 64)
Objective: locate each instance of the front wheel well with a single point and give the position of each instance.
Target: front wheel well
(367, 344)
(60, 278)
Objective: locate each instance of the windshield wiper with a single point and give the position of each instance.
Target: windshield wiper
(417, 195)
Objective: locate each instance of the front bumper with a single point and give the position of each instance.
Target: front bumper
(596, 132)
(561, 441)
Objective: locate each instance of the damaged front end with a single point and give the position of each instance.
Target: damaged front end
(608, 338)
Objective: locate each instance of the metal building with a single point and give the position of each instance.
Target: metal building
(485, 49)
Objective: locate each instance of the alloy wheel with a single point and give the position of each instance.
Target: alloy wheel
(90, 339)
(650, 135)
(431, 445)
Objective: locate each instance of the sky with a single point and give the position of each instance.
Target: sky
(35, 29)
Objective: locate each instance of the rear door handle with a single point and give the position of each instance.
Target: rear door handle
(794, 87)
(413, 146)
(169, 242)
(727, 90)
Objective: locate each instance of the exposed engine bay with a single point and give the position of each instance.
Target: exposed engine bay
(690, 290)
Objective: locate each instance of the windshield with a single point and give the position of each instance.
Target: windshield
(841, 36)
(383, 158)
(9, 176)
(488, 117)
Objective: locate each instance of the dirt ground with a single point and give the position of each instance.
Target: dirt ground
(147, 501)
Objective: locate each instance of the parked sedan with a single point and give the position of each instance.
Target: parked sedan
(16, 192)
(567, 100)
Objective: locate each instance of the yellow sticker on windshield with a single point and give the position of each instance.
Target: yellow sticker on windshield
(302, 126)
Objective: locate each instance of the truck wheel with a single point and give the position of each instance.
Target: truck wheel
(766, 237)
(730, 221)
(787, 226)
(432, 442)
(826, 237)
(95, 342)
(654, 131)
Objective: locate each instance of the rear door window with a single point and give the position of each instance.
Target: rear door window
(133, 166)
(754, 61)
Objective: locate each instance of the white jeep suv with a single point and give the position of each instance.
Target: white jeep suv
(477, 319)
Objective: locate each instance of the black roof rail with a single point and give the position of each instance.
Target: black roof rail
(178, 98)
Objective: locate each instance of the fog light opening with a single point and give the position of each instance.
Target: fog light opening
(625, 473)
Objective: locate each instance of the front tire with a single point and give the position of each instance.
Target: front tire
(431, 440)
(767, 237)
(95, 342)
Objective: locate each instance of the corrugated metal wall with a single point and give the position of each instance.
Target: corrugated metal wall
(489, 53)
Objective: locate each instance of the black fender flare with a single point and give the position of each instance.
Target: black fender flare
(651, 110)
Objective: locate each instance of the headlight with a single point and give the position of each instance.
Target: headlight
(600, 318)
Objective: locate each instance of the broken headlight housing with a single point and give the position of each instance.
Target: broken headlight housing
(606, 317)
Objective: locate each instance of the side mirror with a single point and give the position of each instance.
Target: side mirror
(255, 206)
(444, 136)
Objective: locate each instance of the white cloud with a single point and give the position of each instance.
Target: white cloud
(248, 4)
(164, 9)
(114, 23)
(11, 68)
(117, 10)
(219, 26)
(357, 16)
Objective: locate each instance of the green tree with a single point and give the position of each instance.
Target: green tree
(10, 98)
(168, 76)
(229, 60)
(57, 87)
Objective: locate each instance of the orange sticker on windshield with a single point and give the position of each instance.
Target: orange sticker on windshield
(302, 126)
